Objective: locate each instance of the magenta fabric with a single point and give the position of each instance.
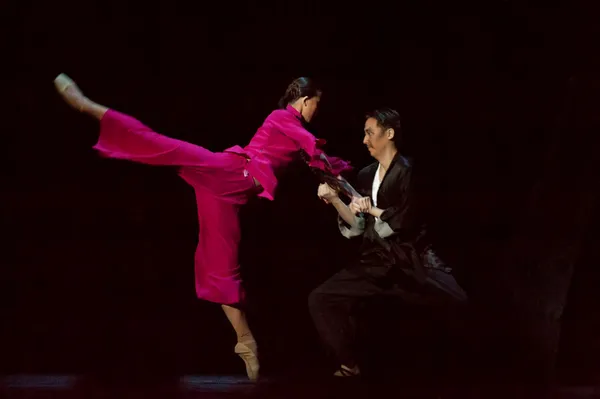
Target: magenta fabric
(223, 181)
(275, 143)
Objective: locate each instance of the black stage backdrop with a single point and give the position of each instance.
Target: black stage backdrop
(499, 109)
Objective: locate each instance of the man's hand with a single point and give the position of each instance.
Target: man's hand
(326, 193)
(363, 204)
(354, 208)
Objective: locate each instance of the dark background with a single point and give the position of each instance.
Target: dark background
(499, 105)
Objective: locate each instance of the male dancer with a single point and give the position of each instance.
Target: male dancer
(395, 259)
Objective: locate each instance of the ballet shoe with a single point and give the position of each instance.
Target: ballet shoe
(62, 82)
(69, 91)
(248, 352)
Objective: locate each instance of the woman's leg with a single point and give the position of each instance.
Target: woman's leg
(217, 270)
(238, 321)
(217, 277)
(124, 137)
(246, 346)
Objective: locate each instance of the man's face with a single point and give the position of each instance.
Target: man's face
(376, 138)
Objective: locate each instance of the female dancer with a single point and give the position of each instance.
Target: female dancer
(222, 181)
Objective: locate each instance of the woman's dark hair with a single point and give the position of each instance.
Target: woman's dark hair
(388, 118)
(301, 87)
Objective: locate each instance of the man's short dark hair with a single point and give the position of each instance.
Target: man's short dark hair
(388, 118)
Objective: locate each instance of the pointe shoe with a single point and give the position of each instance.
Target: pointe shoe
(62, 81)
(69, 91)
(248, 352)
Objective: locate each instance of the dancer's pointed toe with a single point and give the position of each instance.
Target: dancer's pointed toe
(69, 91)
(248, 352)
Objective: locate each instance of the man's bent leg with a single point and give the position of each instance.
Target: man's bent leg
(331, 306)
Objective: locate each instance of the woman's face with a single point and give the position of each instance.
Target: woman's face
(309, 107)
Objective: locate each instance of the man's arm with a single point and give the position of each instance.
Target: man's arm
(381, 227)
(349, 224)
(401, 215)
(345, 213)
(376, 211)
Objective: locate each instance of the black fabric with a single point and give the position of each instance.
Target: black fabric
(333, 304)
(401, 265)
(398, 197)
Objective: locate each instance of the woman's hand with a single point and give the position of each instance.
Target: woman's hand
(326, 193)
(363, 204)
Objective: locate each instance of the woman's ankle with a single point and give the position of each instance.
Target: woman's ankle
(96, 110)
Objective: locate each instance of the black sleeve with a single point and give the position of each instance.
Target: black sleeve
(364, 184)
(402, 214)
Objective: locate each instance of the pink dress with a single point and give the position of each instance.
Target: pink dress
(222, 181)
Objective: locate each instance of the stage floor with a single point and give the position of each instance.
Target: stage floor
(223, 386)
